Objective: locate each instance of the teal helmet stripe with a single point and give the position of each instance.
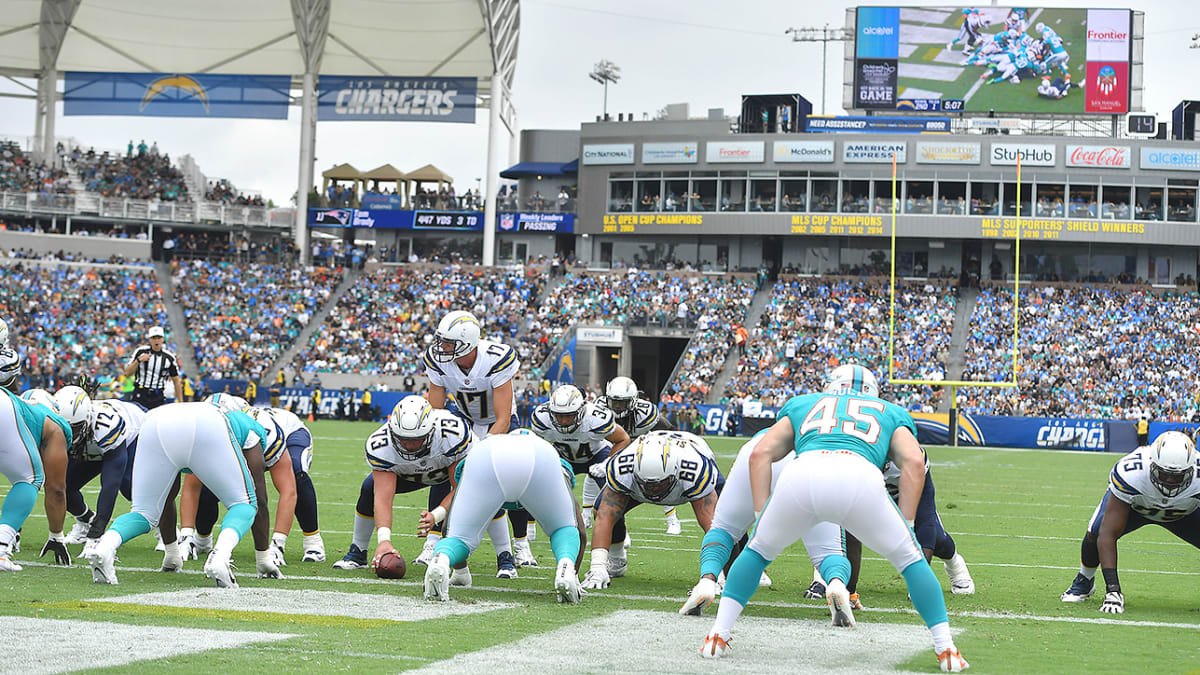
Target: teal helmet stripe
(858, 378)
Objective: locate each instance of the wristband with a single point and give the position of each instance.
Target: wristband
(599, 558)
(262, 557)
(384, 534)
(439, 514)
(56, 536)
(279, 539)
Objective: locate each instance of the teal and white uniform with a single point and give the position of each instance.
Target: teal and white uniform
(21, 427)
(858, 423)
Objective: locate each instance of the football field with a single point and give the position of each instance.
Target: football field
(1017, 517)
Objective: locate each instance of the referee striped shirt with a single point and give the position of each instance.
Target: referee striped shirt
(154, 372)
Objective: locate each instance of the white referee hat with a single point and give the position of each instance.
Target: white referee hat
(156, 331)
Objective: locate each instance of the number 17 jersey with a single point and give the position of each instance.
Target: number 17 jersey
(861, 424)
(471, 391)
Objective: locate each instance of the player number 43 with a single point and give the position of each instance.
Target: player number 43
(823, 418)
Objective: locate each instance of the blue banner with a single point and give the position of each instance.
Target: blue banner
(396, 99)
(535, 222)
(879, 125)
(563, 370)
(374, 200)
(299, 401)
(1015, 432)
(176, 95)
(389, 219)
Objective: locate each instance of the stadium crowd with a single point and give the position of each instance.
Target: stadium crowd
(18, 173)
(240, 317)
(221, 190)
(144, 175)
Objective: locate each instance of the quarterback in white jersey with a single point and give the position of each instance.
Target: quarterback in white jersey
(662, 467)
(1154, 485)
(107, 451)
(477, 374)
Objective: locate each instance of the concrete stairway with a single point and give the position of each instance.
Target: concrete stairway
(757, 305)
(179, 333)
(956, 360)
(318, 319)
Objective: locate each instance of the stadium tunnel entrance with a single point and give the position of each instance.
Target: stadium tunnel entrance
(653, 361)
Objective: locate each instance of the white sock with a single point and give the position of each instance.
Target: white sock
(1089, 572)
(432, 539)
(498, 532)
(226, 541)
(313, 541)
(112, 539)
(363, 529)
(205, 541)
(7, 536)
(728, 612)
(669, 511)
(942, 639)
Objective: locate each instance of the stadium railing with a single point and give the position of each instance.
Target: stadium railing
(86, 203)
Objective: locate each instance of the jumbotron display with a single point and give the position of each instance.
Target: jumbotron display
(1002, 59)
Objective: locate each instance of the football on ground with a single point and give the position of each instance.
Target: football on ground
(390, 566)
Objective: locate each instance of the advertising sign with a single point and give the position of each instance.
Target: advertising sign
(803, 151)
(618, 153)
(396, 99)
(733, 152)
(374, 200)
(536, 222)
(1025, 59)
(447, 220)
(1030, 154)
(670, 153)
(1099, 156)
(948, 153)
(176, 95)
(879, 125)
(874, 153)
(1172, 159)
(395, 219)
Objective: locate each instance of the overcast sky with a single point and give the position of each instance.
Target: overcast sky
(706, 53)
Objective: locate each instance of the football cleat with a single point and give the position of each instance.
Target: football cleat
(531, 532)
(628, 542)
(460, 577)
(855, 604)
(721, 582)
(566, 583)
(523, 554)
(839, 604)
(355, 559)
(764, 581)
(219, 568)
(950, 661)
(700, 597)
(102, 560)
(159, 545)
(437, 579)
(88, 546)
(16, 545)
(506, 567)
(79, 532)
(314, 548)
(814, 591)
(617, 563)
(961, 582)
(715, 646)
(673, 525)
(6, 563)
(426, 553)
(1081, 589)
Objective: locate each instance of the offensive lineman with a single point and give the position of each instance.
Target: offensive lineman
(663, 467)
(299, 442)
(638, 416)
(1153, 485)
(478, 375)
(223, 450)
(517, 471)
(418, 447)
(841, 438)
(584, 434)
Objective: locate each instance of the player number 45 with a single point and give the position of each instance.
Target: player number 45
(823, 418)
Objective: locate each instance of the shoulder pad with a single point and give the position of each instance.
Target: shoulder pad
(505, 361)
(429, 363)
(1120, 484)
(538, 419)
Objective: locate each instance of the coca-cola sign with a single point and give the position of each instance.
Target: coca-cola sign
(1099, 156)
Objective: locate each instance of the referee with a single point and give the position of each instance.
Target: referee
(153, 365)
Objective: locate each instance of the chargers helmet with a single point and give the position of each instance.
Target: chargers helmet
(457, 335)
(10, 366)
(851, 378)
(40, 397)
(1172, 463)
(566, 401)
(75, 406)
(3, 333)
(410, 427)
(228, 402)
(654, 468)
(620, 393)
(273, 444)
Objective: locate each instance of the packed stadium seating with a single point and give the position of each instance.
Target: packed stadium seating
(240, 317)
(221, 190)
(144, 175)
(813, 324)
(18, 173)
(388, 317)
(72, 319)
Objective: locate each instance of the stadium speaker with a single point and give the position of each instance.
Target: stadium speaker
(1162, 131)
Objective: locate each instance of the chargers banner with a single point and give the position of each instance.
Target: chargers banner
(176, 95)
(1015, 432)
(563, 370)
(396, 99)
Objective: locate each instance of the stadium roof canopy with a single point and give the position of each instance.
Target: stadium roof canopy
(443, 38)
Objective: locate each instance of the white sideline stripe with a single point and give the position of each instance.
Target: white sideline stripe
(339, 652)
(29, 648)
(309, 602)
(1072, 539)
(669, 643)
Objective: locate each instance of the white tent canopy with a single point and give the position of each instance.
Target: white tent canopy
(301, 38)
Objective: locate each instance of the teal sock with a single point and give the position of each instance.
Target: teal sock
(714, 551)
(455, 549)
(18, 505)
(835, 567)
(239, 517)
(130, 525)
(565, 543)
(742, 581)
(926, 592)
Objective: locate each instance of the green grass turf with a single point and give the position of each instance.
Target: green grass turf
(1017, 517)
(1005, 96)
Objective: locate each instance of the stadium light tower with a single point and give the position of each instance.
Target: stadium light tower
(604, 72)
(1196, 41)
(824, 36)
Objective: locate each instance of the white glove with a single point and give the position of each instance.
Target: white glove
(278, 541)
(267, 569)
(1114, 603)
(187, 547)
(701, 597)
(172, 563)
(597, 577)
(598, 470)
